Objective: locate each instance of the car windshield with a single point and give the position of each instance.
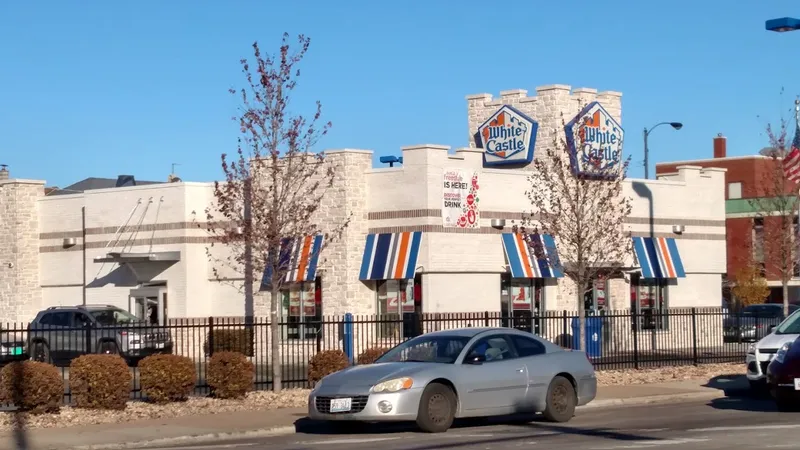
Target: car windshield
(113, 317)
(791, 325)
(771, 311)
(427, 348)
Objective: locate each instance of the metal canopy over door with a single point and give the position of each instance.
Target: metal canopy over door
(149, 303)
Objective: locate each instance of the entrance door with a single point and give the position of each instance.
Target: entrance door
(522, 303)
(149, 304)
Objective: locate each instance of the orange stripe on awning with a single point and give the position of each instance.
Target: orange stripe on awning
(662, 244)
(304, 257)
(405, 238)
(524, 256)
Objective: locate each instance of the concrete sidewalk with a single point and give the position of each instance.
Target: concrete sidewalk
(285, 421)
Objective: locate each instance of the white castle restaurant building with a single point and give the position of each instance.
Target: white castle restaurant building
(431, 234)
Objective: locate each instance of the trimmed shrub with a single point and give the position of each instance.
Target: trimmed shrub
(239, 340)
(32, 386)
(100, 382)
(325, 363)
(230, 375)
(167, 378)
(369, 355)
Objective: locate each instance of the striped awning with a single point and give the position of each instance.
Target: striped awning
(658, 257)
(390, 256)
(298, 259)
(535, 257)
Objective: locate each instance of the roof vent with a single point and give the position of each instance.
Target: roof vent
(125, 180)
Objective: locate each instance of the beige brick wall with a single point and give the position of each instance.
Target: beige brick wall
(20, 295)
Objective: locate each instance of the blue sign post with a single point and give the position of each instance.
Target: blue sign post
(347, 337)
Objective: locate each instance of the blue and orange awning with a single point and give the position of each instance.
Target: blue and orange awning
(298, 259)
(390, 256)
(534, 257)
(658, 257)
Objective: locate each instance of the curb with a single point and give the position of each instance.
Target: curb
(664, 398)
(286, 430)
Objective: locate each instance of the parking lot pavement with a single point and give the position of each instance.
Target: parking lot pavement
(726, 423)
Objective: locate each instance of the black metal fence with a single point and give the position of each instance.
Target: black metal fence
(614, 339)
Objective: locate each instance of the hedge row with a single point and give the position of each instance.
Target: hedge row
(104, 381)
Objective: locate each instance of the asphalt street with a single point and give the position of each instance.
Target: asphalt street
(731, 423)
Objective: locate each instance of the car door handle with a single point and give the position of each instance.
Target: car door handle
(521, 369)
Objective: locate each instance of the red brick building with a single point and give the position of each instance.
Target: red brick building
(748, 227)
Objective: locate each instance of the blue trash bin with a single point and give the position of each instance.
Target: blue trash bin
(594, 336)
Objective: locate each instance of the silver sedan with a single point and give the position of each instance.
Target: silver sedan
(470, 372)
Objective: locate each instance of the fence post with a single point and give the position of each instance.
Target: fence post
(694, 337)
(486, 319)
(565, 329)
(88, 336)
(348, 337)
(635, 339)
(210, 335)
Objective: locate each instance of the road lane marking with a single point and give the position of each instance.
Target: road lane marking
(650, 444)
(745, 428)
(348, 441)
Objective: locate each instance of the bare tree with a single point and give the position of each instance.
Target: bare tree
(274, 187)
(775, 203)
(583, 207)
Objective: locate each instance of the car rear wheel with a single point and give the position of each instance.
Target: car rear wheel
(41, 353)
(437, 408)
(561, 401)
(108, 348)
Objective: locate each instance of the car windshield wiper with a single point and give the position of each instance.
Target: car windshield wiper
(416, 360)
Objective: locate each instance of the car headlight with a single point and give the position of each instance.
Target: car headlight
(751, 349)
(398, 384)
(781, 355)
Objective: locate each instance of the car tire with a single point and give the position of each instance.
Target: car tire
(437, 408)
(108, 348)
(561, 401)
(41, 353)
(785, 405)
(758, 386)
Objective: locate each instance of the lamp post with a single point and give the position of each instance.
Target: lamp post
(783, 24)
(675, 125)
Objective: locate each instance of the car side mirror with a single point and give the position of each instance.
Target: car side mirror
(772, 329)
(475, 359)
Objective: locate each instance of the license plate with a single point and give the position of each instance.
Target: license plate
(160, 345)
(17, 351)
(341, 404)
(797, 384)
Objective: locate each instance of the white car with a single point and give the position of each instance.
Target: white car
(762, 352)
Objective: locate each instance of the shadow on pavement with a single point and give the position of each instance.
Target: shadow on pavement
(739, 396)
(528, 426)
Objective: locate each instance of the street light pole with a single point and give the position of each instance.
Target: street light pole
(646, 133)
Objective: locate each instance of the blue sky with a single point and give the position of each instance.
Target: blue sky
(92, 88)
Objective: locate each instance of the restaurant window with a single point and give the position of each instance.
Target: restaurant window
(399, 302)
(522, 303)
(796, 236)
(734, 190)
(758, 239)
(649, 303)
(595, 296)
(302, 310)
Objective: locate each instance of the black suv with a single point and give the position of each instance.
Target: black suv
(62, 333)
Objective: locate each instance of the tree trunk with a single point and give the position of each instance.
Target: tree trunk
(581, 319)
(275, 331)
(785, 283)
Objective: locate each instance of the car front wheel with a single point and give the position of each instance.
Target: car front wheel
(437, 408)
(41, 353)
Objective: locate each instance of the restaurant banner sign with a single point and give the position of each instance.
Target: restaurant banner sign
(460, 199)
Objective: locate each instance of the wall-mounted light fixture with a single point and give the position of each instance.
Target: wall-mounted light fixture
(498, 223)
(678, 229)
(69, 242)
(238, 230)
